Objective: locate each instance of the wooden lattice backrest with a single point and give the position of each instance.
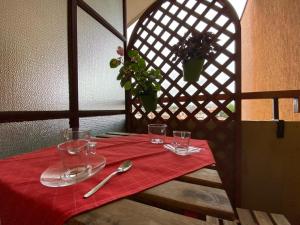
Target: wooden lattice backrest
(210, 107)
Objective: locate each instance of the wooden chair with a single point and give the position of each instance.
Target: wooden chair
(254, 217)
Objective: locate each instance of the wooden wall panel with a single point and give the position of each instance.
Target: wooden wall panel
(270, 169)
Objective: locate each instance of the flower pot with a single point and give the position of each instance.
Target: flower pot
(149, 101)
(192, 69)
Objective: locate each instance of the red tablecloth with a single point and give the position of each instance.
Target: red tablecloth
(24, 201)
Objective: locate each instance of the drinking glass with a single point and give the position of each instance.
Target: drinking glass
(76, 134)
(74, 157)
(181, 142)
(157, 133)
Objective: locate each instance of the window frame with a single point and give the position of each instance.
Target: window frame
(73, 114)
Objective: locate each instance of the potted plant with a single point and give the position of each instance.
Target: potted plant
(136, 78)
(193, 51)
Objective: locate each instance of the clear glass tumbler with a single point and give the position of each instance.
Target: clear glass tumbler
(181, 142)
(157, 133)
(76, 133)
(74, 157)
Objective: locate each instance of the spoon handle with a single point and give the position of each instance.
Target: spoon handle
(98, 186)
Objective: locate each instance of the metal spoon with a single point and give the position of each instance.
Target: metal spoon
(122, 168)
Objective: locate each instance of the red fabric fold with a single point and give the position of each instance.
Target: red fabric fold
(24, 201)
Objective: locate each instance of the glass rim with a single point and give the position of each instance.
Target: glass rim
(182, 131)
(157, 125)
(67, 144)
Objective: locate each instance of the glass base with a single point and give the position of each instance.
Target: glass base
(181, 150)
(56, 176)
(76, 172)
(157, 141)
(191, 150)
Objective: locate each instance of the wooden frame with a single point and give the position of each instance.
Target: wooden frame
(275, 96)
(153, 36)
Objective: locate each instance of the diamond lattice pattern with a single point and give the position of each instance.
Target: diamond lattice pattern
(207, 107)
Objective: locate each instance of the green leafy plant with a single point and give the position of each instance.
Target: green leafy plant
(201, 45)
(134, 75)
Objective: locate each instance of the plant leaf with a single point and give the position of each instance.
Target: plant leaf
(132, 53)
(114, 63)
(141, 63)
(123, 81)
(127, 85)
(120, 75)
(133, 92)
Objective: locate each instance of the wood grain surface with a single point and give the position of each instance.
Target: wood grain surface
(196, 198)
(208, 177)
(175, 203)
(127, 212)
(248, 217)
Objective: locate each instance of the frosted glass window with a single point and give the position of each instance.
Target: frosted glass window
(98, 86)
(111, 11)
(102, 124)
(17, 138)
(33, 52)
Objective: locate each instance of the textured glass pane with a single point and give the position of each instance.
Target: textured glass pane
(33, 52)
(98, 86)
(102, 124)
(111, 11)
(24, 137)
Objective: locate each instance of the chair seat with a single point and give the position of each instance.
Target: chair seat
(254, 217)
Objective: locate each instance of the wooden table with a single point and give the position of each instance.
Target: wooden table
(194, 199)
(197, 194)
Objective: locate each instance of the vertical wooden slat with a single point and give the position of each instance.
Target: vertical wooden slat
(280, 219)
(128, 106)
(262, 218)
(280, 123)
(212, 220)
(245, 217)
(275, 109)
(280, 128)
(238, 117)
(73, 63)
(228, 222)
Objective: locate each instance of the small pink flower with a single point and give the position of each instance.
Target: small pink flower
(120, 51)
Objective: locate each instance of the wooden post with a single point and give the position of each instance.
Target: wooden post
(275, 109)
(280, 123)
(73, 63)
